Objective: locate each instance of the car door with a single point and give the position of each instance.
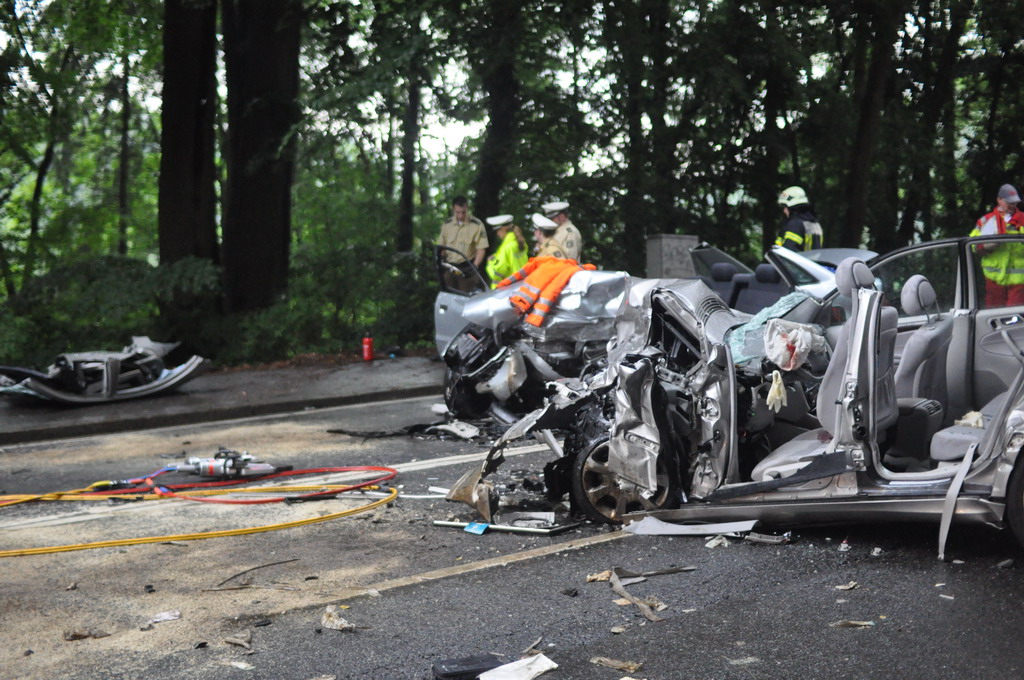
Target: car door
(939, 262)
(996, 320)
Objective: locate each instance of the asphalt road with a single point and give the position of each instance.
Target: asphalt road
(419, 593)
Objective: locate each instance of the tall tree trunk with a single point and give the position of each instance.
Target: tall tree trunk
(923, 157)
(664, 161)
(123, 206)
(497, 68)
(261, 55)
(870, 95)
(187, 220)
(410, 136)
(625, 26)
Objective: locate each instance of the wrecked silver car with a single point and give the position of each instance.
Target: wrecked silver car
(495, 358)
(77, 378)
(899, 397)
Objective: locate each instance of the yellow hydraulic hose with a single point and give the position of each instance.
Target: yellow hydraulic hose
(392, 494)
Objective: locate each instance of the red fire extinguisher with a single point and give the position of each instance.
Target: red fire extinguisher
(367, 347)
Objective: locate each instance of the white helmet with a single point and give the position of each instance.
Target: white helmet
(793, 196)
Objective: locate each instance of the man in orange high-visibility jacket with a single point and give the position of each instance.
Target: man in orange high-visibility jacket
(543, 280)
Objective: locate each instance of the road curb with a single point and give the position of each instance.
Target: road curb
(152, 421)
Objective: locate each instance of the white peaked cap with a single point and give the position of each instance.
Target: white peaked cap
(499, 220)
(542, 222)
(554, 207)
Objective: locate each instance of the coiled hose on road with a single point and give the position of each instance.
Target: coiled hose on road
(144, 488)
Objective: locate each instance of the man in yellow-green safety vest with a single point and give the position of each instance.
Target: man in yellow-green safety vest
(512, 252)
(1002, 263)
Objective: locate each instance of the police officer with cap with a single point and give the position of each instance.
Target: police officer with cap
(512, 252)
(543, 233)
(466, 234)
(801, 230)
(567, 234)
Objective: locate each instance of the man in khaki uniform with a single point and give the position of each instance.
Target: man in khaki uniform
(543, 234)
(466, 234)
(567, 234)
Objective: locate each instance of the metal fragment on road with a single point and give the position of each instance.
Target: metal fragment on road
(846, 623)
(745, 661)
(628, 666)
(652, 526)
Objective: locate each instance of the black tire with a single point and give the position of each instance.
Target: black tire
(1015, 500)
(597, 494)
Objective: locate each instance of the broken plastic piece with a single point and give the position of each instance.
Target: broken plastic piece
(333, 619)
(524, 669)
(477, 528)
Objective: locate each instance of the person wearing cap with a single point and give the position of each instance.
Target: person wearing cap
(544, 233)
(1002, 263)
(466, 234)
(512, 252)
(801, 230)
(566, 234)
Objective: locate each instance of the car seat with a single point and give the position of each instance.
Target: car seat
(922, 368)
(852, 274)
(764, 289)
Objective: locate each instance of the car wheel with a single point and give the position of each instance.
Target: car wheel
(598, 493)
(461, 399)
(1015, 501)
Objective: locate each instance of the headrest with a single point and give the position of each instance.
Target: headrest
(852, 274)
(766, 273)
(723, 271)
(918, 295)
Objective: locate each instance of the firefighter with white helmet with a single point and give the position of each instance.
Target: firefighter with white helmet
(801, 230)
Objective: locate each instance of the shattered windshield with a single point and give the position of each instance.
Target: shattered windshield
(746, 341)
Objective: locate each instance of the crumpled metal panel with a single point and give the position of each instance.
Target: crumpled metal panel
(635, 440)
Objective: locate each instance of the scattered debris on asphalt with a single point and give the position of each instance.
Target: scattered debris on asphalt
(240, 664)
(333, 619)
(149, 588)
(72, 586)
(1006, 564)
(532, 649)
(628, 666)
(172, 615)
(617, 630)
(875, 552)
(84, 633)
(717, 542)
(523, 669)
(482, 527)
(466, 667)
(246, 571)
(745, 661)
(652, 526)
(846, 623)
(769, 539)
(844, 546)
(848, 586)
(242, 639)
(946, 597)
